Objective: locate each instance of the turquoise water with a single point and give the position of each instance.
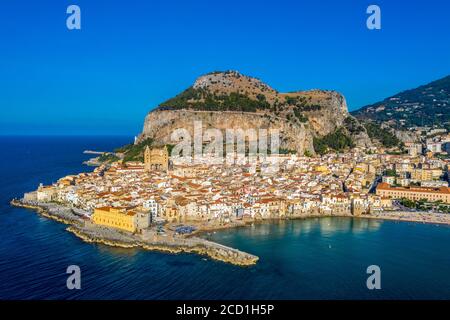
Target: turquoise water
(328, 257)
(304, 259)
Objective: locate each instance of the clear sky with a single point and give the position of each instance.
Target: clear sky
(131, 55)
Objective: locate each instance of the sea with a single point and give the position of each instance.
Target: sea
(318, 258)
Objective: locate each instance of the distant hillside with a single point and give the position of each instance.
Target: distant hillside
(427, 105)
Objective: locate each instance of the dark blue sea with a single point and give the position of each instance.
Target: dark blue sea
(309, 259)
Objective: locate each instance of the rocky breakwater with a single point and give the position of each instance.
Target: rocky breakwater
(52, 211)
(171, 243)
(82, 227)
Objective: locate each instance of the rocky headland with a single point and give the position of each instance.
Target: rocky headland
(229, 99)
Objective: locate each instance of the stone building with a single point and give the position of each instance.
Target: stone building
(115, 218)
(119, 218)
(156, 159)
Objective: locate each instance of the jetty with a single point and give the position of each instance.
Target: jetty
(82, 227)
(94, 152)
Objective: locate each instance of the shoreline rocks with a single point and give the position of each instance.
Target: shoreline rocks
(91, 233)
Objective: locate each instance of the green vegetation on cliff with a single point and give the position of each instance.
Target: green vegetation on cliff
(205, 100)
(301, 104)
(353, 126)
(108, 158)
(336, 141)
(200, 99)
(386, 138)
(135, 152)
(300, 116)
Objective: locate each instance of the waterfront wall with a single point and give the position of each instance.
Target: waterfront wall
(92, 233)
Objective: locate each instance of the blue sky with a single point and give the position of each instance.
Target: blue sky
(131, 55)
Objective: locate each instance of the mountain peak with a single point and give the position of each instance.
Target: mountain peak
(232, 91)
(225, 82)
(229, 99)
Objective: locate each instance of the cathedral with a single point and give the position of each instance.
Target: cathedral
(156, 159)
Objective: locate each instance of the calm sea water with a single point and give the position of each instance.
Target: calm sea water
(310, 259)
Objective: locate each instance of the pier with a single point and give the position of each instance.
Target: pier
(94, 152)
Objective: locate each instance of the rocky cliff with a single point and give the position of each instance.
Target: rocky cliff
(231, 100)
(160, 124)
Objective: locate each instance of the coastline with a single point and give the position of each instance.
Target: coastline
(194, 243)
(400, 216)
(93, 162)
(172, 243)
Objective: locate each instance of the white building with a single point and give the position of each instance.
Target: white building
(389, 180)
(152, 206)
(46, 193)
(435, 147)
(72, 197)
(434, 183)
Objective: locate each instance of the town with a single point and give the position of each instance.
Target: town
(137, 196)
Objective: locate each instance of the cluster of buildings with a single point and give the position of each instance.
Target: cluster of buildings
(415, 178)
(437, 141)
(131, 196)
(439, 144)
